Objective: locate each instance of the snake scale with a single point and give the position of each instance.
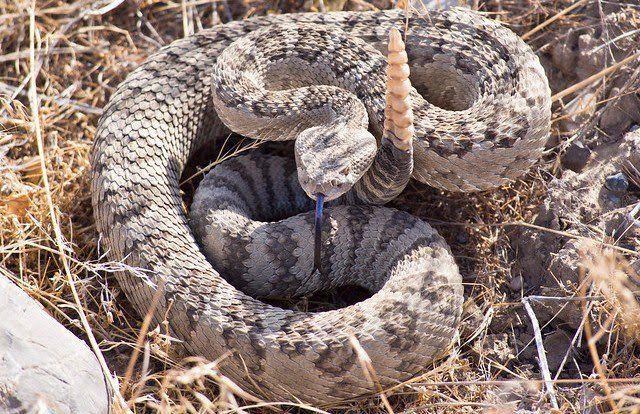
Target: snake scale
(484, 122)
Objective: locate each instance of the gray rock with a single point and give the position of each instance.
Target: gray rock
(622, 112)
(462, 237)
(578, 111)
(576, 157)
(557, 345)
(516, 283)
(617, 183)
(43, 366)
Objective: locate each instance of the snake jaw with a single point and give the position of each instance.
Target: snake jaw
(317, 247)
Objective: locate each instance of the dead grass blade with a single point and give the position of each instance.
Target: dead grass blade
(33, 101)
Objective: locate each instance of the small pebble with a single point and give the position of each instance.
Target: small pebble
(462, 237)
(557, 345)
(617, 183)
(576, 156)
(516, 284)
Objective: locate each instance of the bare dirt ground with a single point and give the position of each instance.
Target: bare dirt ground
(549, 262)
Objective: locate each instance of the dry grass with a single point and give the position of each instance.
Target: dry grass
(60, 62)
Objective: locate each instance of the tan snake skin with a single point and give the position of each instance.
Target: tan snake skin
(495, 126)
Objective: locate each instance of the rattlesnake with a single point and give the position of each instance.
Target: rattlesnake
(490, 126)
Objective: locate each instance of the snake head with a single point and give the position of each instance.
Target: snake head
(331, 159)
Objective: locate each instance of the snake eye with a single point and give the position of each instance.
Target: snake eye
(346, 170)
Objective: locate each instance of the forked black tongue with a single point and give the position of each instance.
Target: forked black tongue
(318, 232)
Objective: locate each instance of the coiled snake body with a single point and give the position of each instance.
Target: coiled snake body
(486, 123)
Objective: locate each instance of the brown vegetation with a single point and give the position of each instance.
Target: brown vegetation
(60, 62)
